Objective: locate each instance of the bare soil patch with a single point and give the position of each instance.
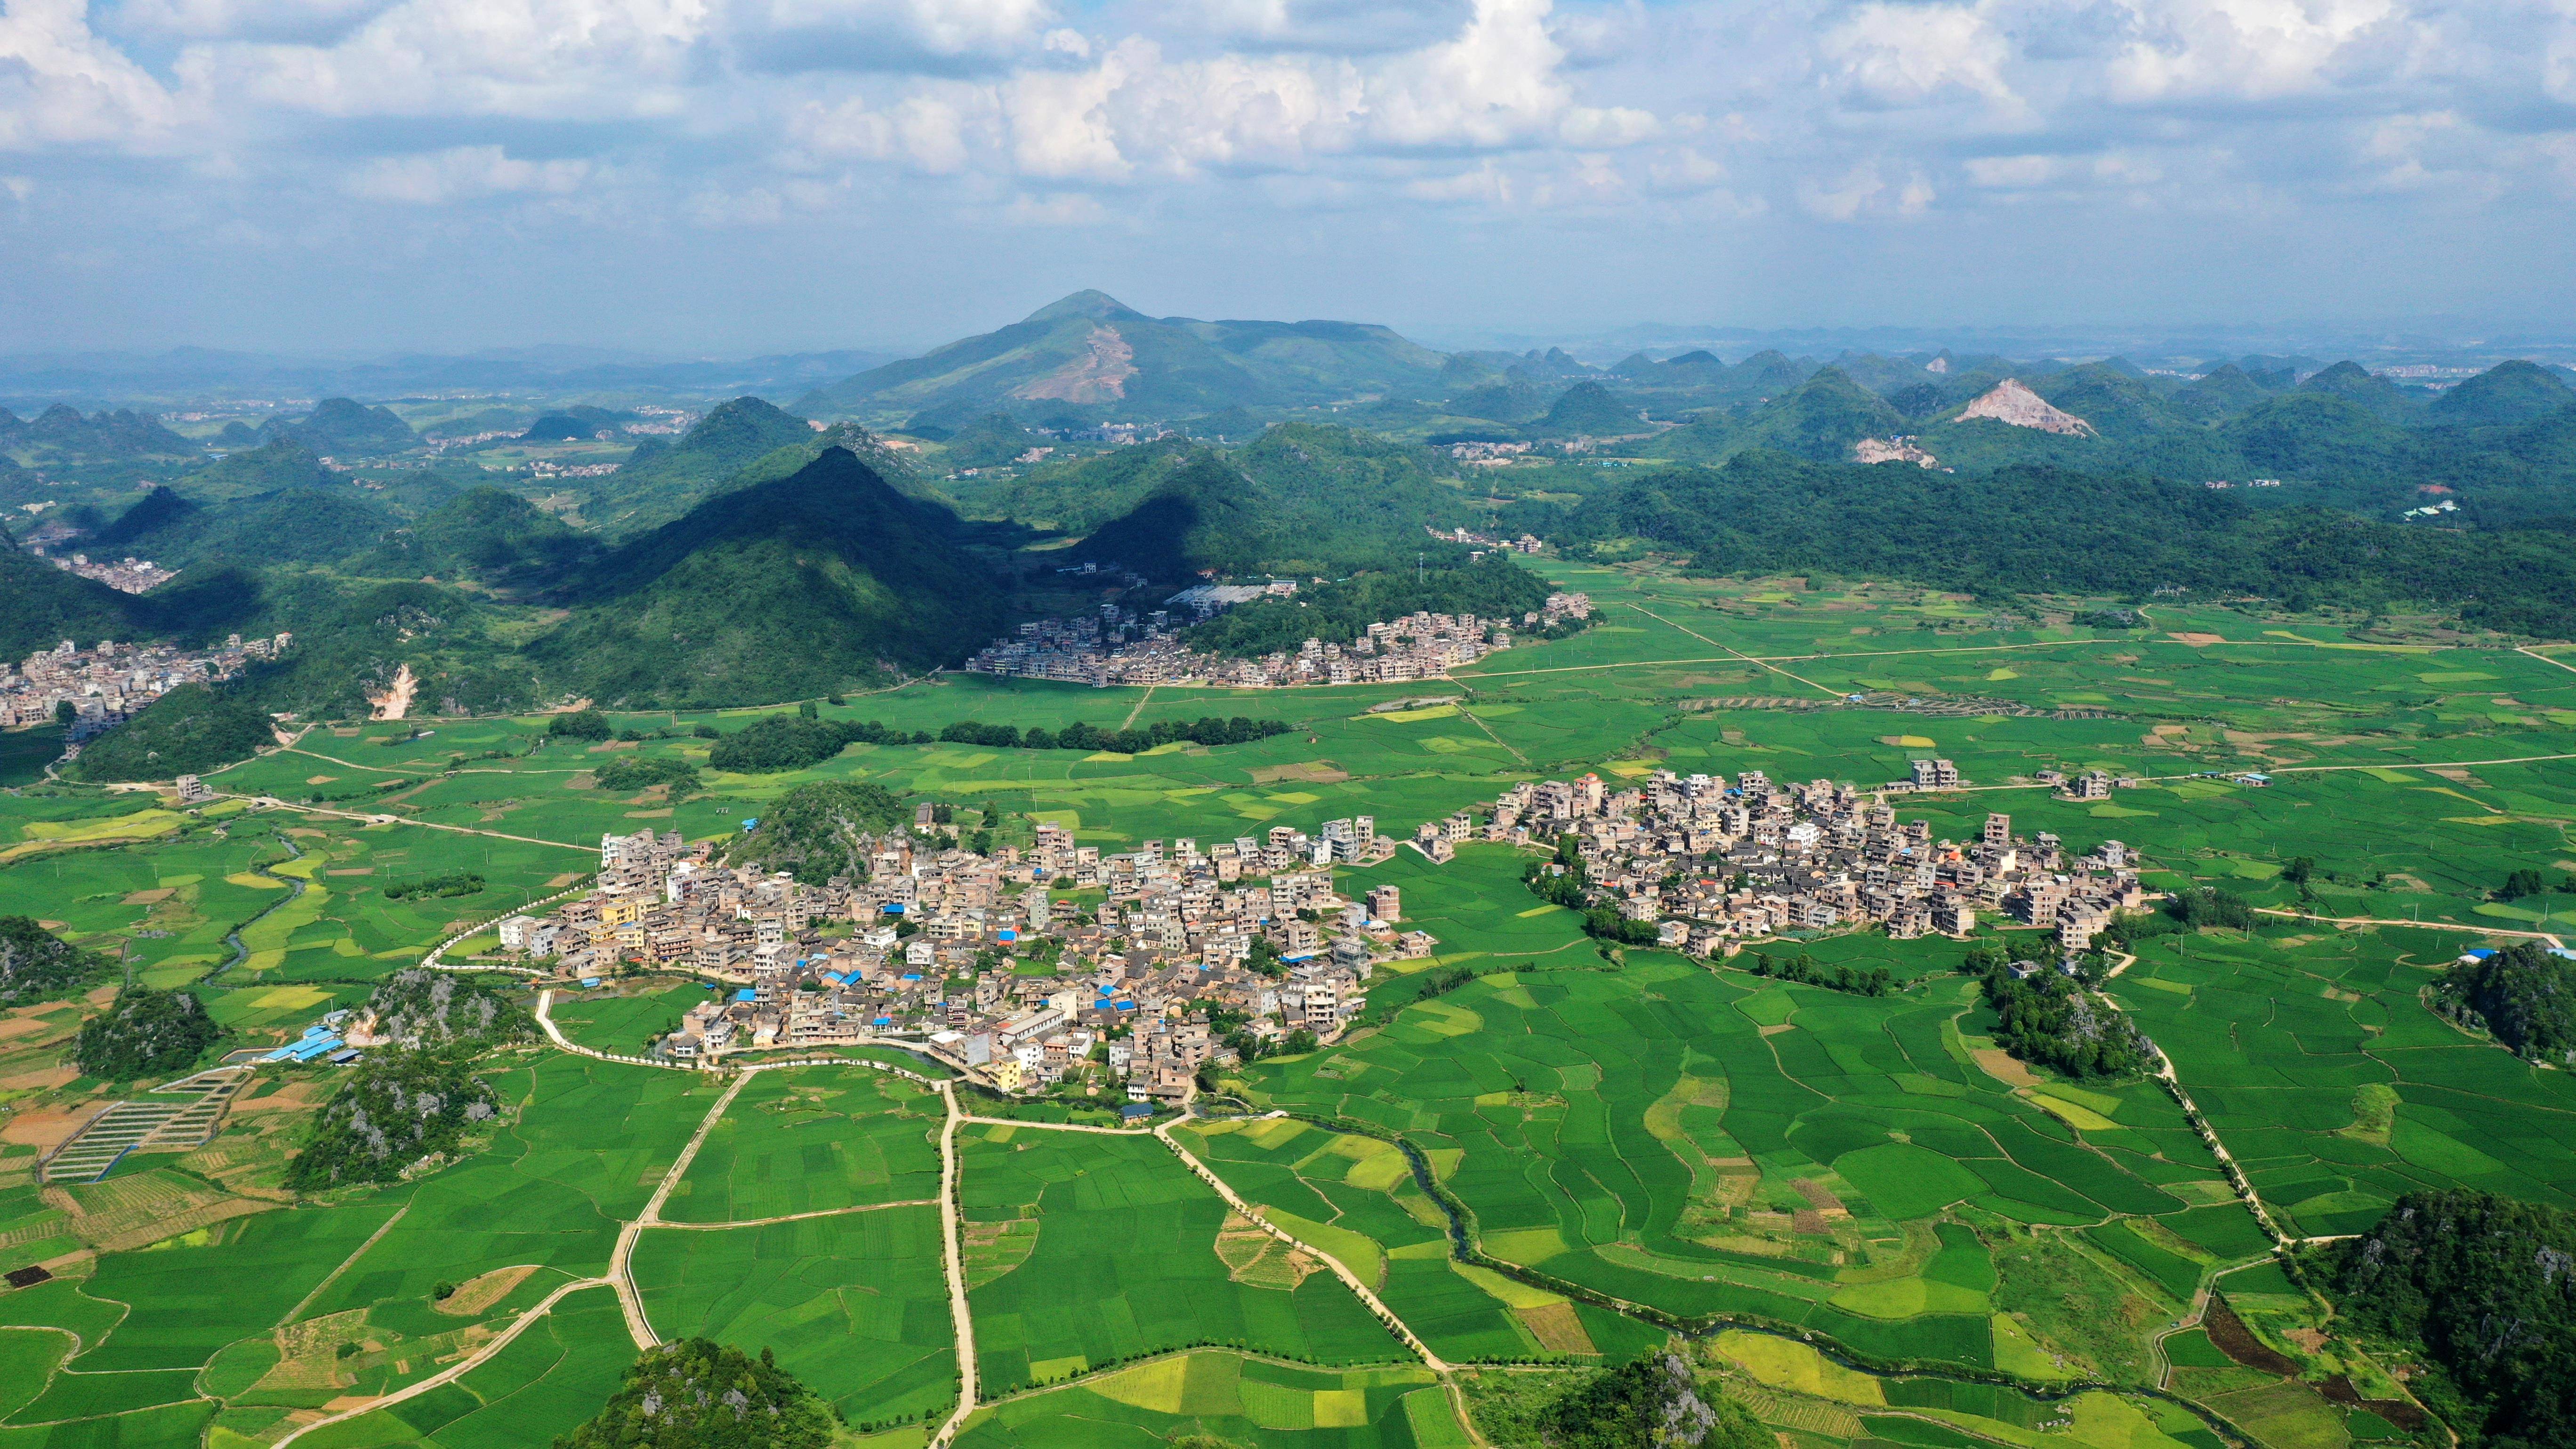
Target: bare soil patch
(476, 1295)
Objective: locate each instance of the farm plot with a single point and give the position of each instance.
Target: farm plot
(590, 1142)
(624, 1019)
(1355, 1197)
(1213, 1397)
(550, 1379)
(855, 1304)
(2335, 1086)
(814, 1140)
(1705, 1143)
(1084, 1250)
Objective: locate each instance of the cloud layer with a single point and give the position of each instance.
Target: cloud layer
(1697, 137)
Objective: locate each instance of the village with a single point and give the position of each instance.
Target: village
(1710, 864)
(1119, 645)
(1153, 962)
(107, 685)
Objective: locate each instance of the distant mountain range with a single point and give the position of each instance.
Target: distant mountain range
(1090, 356)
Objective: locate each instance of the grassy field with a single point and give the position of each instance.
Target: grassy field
(854, 1304)
(1085, 1250)
(814, 1140)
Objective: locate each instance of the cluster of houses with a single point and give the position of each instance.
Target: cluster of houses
(974, 959)
(127, 575)
(1117, 646)
(1711, 862)
(106, 685)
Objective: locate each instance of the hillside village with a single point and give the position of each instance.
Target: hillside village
(109, 684)
(1120, 646)
(1175, 951)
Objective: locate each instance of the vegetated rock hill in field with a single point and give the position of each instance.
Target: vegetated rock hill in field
(2484, 1288)
(824, 580)
(2522, 994)
(37, 965)
(814, 830)
(422, 1008)
(1299, 499)
(1090, 353)
(190, 730)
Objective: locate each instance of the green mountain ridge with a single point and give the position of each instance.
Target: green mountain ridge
(1089, 354)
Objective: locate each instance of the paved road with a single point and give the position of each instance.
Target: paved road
(954, 1259)
(795, 1217)
(1341, 1270)
(621, 1262)
(1738, 653)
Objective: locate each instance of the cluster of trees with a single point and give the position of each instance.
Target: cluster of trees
(440, 887)
(814, 831)
(801, 741)
(2211, 906)
(2482, 1289)
(397, 1108)
(145, 1033)
(37, 965)
(1803, 969)
(629, 773)
(1208, 730)
(2049, 1018)
(1233, 1028)
(580, 724)
(699, 1394)
(1492, 587)
(1563, 881)
(2526, 882)
(2522, 994)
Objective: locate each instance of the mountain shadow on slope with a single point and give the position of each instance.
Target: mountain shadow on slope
(1302, 498)
(825, 580)
(659, 481)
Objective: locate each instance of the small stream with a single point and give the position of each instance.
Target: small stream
(294, 888)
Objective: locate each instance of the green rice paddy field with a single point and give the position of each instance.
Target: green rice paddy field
(1629, 1143)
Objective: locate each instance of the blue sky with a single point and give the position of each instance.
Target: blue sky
(728, 176)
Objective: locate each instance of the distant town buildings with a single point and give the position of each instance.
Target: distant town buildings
(107, 684)
(129, 575)
(1713, 862)
(1117, 646)
(929, 947)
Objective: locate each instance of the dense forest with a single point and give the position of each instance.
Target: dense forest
(395, 1109)
(2484, 1289)
(145, 1033)
(698, 1394)
(37, 965)
(2029, 529)
(2522, 994)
